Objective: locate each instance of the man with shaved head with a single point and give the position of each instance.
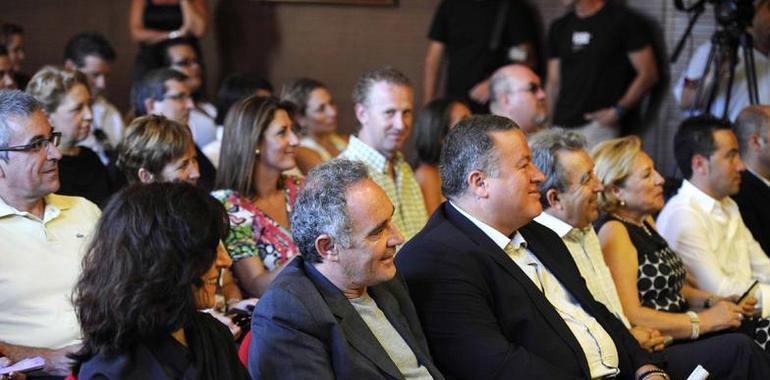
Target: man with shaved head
(517, 93)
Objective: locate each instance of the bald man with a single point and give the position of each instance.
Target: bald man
(517, 93)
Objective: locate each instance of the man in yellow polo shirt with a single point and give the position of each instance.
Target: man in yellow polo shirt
(43, 239)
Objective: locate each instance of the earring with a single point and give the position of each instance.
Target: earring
(257, 151)
(622, 203)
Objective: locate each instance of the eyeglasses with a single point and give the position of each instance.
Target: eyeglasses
(36, 145)
(532, 88)
(182, 96)
(185, 62)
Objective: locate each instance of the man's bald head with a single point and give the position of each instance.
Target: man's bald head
(517, 93)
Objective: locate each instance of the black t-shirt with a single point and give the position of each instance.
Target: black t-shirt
(593, 53)
(84, 176)
(465, 27)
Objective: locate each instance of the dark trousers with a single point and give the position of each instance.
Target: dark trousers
(724, 356)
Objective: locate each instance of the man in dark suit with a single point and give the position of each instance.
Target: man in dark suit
(499, 295)
(753, 131)
(340, 311)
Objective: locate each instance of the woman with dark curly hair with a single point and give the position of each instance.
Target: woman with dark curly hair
(152, 264)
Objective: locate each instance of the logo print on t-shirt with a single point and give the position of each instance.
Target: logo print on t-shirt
(580, 40)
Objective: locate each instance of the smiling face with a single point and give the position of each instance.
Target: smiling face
(369, 259)
(578, 206)
(514, 196)
(278, 143)
(205, 296)
(30, 175)
(320, 112)
(642, 190)
(73, 116)
(182, 169)
(386, 117)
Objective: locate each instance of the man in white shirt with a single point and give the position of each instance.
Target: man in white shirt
(498, 294)
(43, 239)
(91, 54)
(753, 131)
(702, 223)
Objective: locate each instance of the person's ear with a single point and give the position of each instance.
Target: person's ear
(327, 248)
(478, 184)
(70, 65)
(700, 164)
(145, 176)
(361, 114)
(553, 198)
(149, 106)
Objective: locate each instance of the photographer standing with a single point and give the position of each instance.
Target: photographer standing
(686, 88)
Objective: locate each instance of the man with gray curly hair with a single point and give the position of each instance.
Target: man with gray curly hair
(340, 310)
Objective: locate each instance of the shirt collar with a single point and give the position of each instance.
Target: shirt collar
(372, 157)
(557, 225)
(497, 237)
(704, 200)
(54, 204)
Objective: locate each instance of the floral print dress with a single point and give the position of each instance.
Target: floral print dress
(254, 233)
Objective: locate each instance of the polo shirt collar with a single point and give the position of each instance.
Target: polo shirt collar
(371, 157)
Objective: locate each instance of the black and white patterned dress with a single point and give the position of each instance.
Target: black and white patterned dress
(662, 275)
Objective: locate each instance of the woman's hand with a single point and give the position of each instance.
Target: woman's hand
(724, 315)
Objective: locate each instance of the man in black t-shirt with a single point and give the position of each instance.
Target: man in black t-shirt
(477, 37)
(600, 65)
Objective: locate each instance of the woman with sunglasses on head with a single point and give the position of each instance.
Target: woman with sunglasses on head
(66, 100)
(257, 148)
(152, 264)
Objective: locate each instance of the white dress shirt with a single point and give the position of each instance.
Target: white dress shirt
(584, 246)
(715, 245)
(598, 347)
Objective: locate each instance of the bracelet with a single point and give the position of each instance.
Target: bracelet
(620, 110)
(653, 372)
(694, 324)
(711, 301)
(174, 34)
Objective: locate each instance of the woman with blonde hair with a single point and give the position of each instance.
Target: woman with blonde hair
(66, 100)
(650, 278)
(257, 147)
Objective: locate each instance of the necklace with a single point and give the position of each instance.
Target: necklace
(624, 220)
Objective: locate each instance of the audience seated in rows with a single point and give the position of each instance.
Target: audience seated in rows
(91, 54)
(433, 123)
(703, 225)
(340, 311)
(66, 99)
(384, 109)
(517, 93)
(257, 147)
(753, 131)
(498, 295)
(155, 260)
(43, 236)
(315, 113)
(569, 199)
(165, 92)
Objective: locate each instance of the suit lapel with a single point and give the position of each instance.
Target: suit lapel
(545, 308)
(356, 331)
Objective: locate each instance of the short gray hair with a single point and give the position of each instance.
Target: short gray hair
(385, 74)
(752, 120)
(14, 103)
(499, 84)
(321, 206)
(469, 146)
(545, 144)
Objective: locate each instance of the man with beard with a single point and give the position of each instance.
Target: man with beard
(517, 93)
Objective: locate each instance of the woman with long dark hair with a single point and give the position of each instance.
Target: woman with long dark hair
(152, 264)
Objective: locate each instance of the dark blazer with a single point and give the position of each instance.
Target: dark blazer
(482, 315)
(754, 202)
(305, 328)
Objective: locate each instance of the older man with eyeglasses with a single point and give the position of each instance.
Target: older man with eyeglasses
(43, 237)
(517, 93)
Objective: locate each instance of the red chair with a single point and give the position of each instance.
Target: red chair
(71, 376)
(243, 350)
